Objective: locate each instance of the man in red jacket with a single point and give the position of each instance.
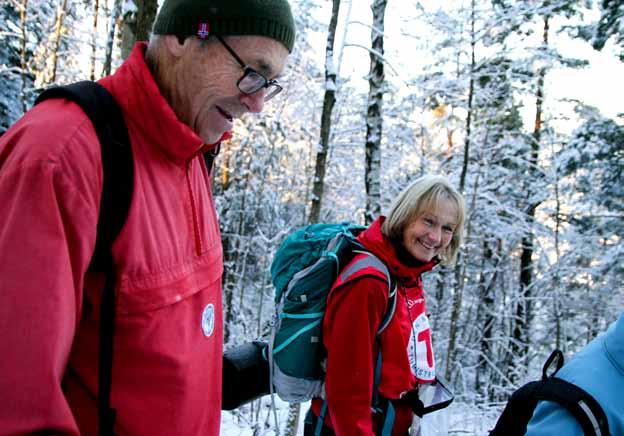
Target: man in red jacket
(209, 61)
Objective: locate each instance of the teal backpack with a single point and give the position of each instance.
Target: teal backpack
(303, 271)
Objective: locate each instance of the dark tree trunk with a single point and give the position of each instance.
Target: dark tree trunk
(145, 18)
(58, 33)
(459, 282)
(521, 341)
(374, 120)
(137, 27)
(487, 301)
(326, 120)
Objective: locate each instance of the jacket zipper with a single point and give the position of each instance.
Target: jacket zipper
(198, 241)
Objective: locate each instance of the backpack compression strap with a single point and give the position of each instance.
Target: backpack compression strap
(117, 166)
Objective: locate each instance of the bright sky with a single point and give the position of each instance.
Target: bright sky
(599, 84)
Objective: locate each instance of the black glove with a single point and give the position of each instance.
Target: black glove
(245, 375)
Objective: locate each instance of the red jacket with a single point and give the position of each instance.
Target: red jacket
(168, 339)
(354, 311)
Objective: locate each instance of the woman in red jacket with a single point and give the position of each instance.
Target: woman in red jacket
(423, 228)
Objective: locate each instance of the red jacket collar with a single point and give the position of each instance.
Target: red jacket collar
(136, 92)
(382, 247)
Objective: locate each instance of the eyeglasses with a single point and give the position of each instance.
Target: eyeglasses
(252, 81)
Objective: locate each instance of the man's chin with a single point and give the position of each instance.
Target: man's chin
(210, 138)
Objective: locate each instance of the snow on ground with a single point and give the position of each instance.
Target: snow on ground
(458, 419)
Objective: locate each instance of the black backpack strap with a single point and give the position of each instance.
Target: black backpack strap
(118, 169)
(518, 412)
(521, 406)
(578, 402)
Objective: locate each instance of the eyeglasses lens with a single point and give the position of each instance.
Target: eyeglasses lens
(253, 82)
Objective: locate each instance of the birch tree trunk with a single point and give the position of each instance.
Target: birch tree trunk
(372, 171)
(326, 120)
(96, 12)
(110, 40)
(523, 316)
(344, 35)
(58, 33)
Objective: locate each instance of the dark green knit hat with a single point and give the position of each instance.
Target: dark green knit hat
(183, 18)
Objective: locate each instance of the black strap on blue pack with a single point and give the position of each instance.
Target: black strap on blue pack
(579, 403)
(575, 400)
(118, 169)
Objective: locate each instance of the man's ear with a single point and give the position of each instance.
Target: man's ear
(173, 45)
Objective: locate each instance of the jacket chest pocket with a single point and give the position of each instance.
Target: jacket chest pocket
(153, 291)
(167, 323)
(168, 328)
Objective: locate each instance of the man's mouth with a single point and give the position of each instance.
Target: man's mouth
(225, 114)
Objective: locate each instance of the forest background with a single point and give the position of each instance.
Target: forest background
(377, 93)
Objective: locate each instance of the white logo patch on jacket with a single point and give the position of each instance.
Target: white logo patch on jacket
(208, 320)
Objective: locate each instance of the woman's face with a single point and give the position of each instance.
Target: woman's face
(431, 232)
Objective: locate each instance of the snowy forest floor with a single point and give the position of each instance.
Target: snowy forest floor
(458, 419)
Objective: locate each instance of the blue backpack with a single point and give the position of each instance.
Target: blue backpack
(303, 271)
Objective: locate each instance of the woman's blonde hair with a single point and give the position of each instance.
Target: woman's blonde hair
(421, 196)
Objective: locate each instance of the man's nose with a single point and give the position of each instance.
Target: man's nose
(254, 102)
